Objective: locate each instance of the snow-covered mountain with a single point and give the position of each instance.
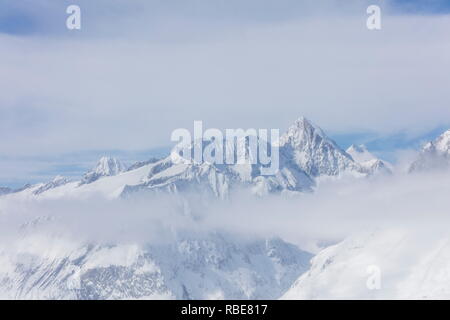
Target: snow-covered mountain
(212, 266)
(215, 265)
(306, 147)
(140, 164)
(305, 154)
(360, 153)
(105, 167)
(220, 180)
(367, 160)
(57, 182)
(434, 155)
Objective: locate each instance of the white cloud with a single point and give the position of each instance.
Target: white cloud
(335, 211)
(129, 86)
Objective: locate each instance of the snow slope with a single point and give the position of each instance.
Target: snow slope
(410, 264)
(213, 266)
(105, 167)
(306, 147)
(434, 155)
(368, 161)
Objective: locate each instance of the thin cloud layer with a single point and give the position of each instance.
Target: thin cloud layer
(338, 209)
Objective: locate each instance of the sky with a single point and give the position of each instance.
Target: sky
(139, 69)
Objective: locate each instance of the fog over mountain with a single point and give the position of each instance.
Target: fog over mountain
(347, 198)
(172, 230)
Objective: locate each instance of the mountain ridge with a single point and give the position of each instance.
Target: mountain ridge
(306, 155)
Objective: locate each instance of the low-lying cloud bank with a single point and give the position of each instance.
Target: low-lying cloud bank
(334, 211)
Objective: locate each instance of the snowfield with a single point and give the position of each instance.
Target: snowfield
(411, 265)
